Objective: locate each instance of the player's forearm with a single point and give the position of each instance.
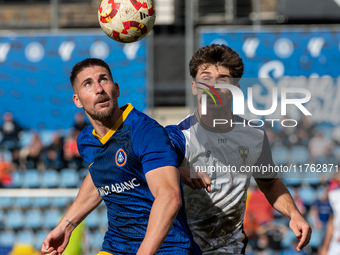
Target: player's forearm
(163, 213)
(279, 197)
(86, 201)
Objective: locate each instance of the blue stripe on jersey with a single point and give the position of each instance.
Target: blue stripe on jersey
(123, 186)
(187, 122)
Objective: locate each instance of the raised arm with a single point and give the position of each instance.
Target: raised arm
(86, 201)
(279, 197)
(164, 186)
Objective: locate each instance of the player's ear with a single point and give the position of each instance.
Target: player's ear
(194, 88)
(117, 91)
(77, 101)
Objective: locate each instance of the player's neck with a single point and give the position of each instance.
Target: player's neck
(103, 126)
(211, 116)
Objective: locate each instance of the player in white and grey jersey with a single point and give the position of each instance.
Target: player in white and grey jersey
(216, 217)
(331, 243)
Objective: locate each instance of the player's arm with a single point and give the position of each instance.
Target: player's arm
(164, 186)
(328, 236)
(195, 180)
(86, 201)
(279, 197)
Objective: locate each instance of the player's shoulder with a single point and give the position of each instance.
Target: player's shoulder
(179, 130)
(189, 121)
(140, 119)
(86, 136)
(142, 126)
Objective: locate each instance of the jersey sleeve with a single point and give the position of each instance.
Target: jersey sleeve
(153, 147)
(84, 145)
(178, 140)
(265, 159)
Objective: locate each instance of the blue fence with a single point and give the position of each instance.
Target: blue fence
(35, 69)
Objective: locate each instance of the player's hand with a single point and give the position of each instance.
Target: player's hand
(55, 242)
(301, 229)
(197, 180)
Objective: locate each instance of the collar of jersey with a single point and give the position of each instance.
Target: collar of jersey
(126, 110)
(213, 129)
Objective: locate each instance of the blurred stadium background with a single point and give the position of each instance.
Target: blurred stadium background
(40, 41)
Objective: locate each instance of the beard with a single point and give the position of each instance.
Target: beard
(102, 115)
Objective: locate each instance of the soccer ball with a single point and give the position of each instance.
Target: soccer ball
(126, 20)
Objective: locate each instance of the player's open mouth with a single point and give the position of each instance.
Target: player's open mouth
(103, 101)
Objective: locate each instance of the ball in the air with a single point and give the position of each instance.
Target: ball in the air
(126, 20)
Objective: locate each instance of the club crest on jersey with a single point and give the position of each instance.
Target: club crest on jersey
(121, 157)
(243, 152)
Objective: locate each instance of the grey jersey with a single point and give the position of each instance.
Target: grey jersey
(216, 217)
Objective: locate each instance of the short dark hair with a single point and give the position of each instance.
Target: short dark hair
(77, 68)
(218, 55)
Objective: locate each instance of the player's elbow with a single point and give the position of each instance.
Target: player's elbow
(174, 199)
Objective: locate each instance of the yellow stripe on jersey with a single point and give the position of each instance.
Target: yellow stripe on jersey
(104, 253)
(119, 122)
(90, 165)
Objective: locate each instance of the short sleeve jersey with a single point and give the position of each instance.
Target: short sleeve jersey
(118, 162)
(216, 217)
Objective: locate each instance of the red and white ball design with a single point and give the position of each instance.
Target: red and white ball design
(126, 20)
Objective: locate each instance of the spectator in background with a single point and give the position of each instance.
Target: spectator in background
(319, 146)
(71, 153)
(331, 244)
(6, 168)
(320, 212)
(328, 157)
(292, 251)
(10, 131)
(259, 207)
(80, 122)
(288, 136)
(304, 130)
(270, 237)
(273, 138)
(54, 153)
(30, 155)
(250, 227)
(300, 204)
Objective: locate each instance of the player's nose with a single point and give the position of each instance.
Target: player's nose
(98, 88)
